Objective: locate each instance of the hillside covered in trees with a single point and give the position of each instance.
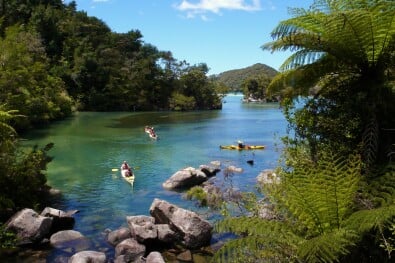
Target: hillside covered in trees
(55, 59)
(235, 78)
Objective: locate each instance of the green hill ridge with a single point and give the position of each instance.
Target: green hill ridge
(234, 78)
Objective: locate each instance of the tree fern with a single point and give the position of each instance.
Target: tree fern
(345, 47)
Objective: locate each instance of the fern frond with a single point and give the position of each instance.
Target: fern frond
(381, 189)
(327, 247)
(257, 239)
(356, 35)
(370, 143)
(320, 196)
(366, 220)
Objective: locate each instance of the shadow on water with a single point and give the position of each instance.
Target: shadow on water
(158, 118)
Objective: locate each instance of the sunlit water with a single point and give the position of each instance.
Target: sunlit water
(89, 145)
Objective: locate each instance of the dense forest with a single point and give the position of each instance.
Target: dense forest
(56, 60)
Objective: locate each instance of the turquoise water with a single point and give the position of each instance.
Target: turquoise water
(89, 145)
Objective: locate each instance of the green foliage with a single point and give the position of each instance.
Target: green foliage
(319, 195)
(212, 198)
(7, 238)
(257, 239)
(198, 194)
(25, 82)
(256, 88)
(320, 222)
(22, 178)
(6, 131)
(180, 102)
(379, 190)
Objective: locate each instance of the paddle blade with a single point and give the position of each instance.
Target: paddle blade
(114, 169)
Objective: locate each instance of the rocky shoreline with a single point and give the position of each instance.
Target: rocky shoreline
(169, 234)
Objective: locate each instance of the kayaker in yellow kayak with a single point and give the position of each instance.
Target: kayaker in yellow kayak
(241, 146)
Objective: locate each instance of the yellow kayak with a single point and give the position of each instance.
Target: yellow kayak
(245, 147)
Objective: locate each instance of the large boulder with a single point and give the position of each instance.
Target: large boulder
(165, 234)
(29, 226)
(194, 231)
(185, 178)
(142, 228)
(61, 220)
(130, 249)
(154, 257)
(88, 257)
(117, 236)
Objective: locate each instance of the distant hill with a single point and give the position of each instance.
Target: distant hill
(234, 78)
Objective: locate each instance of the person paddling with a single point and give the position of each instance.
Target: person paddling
(125, 166)
(240, 144)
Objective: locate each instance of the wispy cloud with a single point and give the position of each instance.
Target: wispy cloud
(201, 7)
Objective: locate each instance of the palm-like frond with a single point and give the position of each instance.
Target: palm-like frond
(305, 77)
(355, 34)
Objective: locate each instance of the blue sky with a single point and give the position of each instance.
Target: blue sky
(224, 34)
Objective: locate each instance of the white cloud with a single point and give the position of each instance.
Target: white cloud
(215, 6)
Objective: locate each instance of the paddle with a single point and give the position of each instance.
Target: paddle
(133, 168)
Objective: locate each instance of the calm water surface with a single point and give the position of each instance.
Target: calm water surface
(89, 145)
